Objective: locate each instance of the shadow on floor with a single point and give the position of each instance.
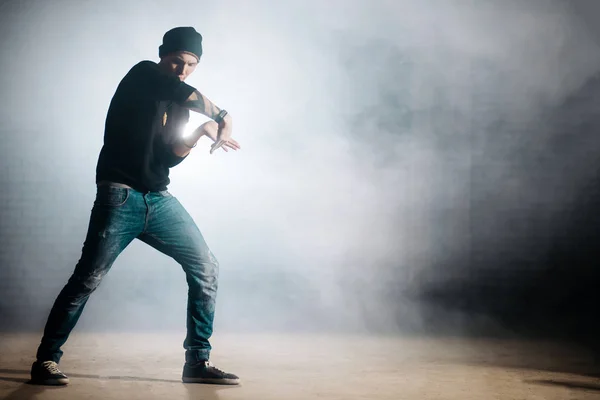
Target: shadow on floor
(567, 384)
(71, 375)
(28, 391)
(18, 380)
(585, 370)
(557, 357)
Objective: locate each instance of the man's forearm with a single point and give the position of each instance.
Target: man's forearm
(201, 104)
(184, 145)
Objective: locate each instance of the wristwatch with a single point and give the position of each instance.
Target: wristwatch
(220, 116)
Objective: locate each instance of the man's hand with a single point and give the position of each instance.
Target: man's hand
(223, 136)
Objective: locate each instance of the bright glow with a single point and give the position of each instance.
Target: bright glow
(195, 121)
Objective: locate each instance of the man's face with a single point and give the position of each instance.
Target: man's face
(180, 64)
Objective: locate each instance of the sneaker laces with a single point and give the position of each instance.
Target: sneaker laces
(51, 366)
(211, 365)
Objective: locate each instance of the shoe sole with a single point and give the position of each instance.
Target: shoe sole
(50, 382)
(211, 381)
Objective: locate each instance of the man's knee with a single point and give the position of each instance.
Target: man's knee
(204, 269)
(201, 257)
(84, 284)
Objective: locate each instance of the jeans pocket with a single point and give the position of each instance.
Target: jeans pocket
(111, 196)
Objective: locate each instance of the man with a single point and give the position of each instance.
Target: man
(142, 140)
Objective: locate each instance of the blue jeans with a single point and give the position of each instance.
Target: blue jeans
(119, 216)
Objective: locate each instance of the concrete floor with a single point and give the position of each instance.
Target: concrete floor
(148, 366)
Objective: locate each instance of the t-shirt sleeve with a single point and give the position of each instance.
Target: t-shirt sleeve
(150, 80)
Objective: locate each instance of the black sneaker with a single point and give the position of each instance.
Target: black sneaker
(47, 373)
(205, 372)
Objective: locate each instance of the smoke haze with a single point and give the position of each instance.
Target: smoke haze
(390, 150)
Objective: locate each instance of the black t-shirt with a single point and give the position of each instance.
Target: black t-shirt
(143, 121)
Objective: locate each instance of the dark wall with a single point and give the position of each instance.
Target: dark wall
(533, 260)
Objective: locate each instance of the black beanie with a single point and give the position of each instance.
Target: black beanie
(184, 38)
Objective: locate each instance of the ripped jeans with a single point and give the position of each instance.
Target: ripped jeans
(119, 216)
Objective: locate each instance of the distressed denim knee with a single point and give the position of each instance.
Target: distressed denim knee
(202, 275)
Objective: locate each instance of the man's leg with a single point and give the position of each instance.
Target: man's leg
(117, 218)
(172, 231)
